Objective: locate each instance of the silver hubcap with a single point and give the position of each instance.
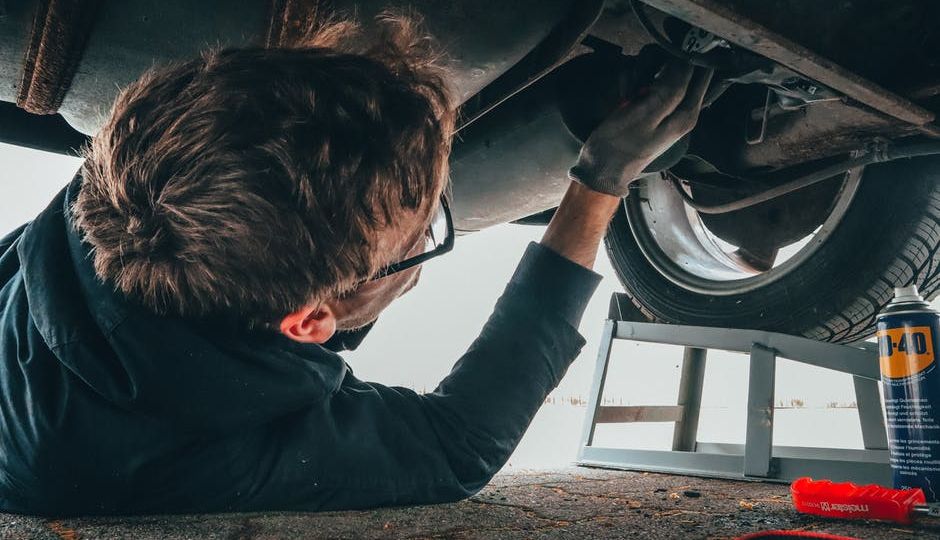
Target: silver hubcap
(677, 243)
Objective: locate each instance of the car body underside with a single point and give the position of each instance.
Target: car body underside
(805, 95)
(840, 79)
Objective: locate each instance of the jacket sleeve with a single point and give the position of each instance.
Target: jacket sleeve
(371, 445)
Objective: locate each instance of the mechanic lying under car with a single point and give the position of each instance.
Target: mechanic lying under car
(170, 323)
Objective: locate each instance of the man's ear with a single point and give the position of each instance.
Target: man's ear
(310, 324)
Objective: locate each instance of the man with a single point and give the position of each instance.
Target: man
(163, 321)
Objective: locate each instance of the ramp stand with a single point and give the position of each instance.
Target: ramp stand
(758, 458)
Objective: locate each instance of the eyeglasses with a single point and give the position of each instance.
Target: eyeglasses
(439, 239)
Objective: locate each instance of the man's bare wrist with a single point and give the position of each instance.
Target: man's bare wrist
(580, 223)
(580, 195)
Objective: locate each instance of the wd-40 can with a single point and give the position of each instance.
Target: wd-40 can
(907, 341)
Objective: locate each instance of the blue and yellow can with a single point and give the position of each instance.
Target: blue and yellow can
(907, 344)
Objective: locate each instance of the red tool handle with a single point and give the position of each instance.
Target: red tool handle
(847, 500)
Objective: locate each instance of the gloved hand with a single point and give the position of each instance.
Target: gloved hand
(637, 132)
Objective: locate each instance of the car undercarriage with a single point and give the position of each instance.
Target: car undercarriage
(809, 189)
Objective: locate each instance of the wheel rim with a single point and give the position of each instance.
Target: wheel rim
(676, 242)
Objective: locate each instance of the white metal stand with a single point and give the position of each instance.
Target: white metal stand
(758, 458)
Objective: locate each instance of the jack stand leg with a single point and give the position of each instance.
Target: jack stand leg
(597, 388)
(868, 400)
(760, 412)
(690, 399)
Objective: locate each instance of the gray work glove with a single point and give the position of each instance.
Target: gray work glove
(635, 134)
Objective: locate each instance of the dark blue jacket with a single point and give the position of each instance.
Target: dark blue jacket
(106, 408)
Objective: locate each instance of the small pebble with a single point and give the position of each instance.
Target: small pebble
(691, 494)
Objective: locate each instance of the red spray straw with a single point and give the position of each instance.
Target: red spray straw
(850, 501)
(787, 535)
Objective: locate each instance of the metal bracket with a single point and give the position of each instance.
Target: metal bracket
(762, 133)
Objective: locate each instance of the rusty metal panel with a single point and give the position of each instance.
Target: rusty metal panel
(895, 43)
(482, 40)
(722, 20)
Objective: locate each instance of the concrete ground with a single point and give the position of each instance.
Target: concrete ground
(570, 503)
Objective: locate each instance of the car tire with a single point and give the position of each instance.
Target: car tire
(887, 237)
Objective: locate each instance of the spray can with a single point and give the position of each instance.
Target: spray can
(907, 334)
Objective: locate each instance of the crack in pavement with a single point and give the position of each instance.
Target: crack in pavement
(527, 510)
(599, 495)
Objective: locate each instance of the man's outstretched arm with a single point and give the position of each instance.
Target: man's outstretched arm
(371, 445)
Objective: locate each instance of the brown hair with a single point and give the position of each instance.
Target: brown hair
(249, 182)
